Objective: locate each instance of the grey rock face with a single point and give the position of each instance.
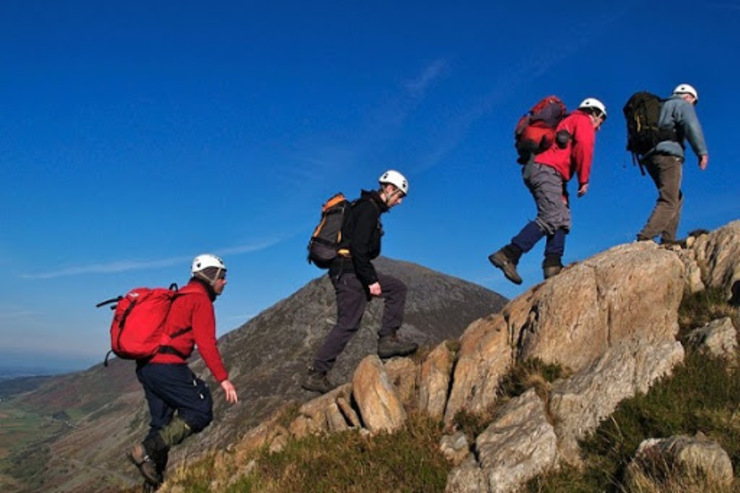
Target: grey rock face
(691, 463)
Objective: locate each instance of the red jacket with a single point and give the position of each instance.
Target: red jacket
(576, 157)
(194, 309)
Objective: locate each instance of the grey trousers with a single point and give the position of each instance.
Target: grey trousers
(666, 174)
(351, 301)
(549, 192)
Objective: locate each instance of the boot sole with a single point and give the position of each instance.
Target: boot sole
(502, 265)
(390, 354)
(141, 464)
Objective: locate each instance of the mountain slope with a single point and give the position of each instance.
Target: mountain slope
(266, 357)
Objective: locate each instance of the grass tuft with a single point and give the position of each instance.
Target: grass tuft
(408, 460)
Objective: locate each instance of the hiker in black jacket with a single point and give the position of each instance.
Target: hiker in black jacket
(356, 282)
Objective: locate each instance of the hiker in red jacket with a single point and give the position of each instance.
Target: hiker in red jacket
(180, 403)
(546, 178)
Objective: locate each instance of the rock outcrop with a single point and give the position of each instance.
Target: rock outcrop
(609, 322)
(682, 463)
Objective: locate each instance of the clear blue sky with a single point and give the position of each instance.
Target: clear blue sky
(135, 135)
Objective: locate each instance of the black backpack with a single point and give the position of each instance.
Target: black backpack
(323, 246)
(642, 113)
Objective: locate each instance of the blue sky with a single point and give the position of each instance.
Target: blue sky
(135, 135)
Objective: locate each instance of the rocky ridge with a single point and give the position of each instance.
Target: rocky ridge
(611, 321)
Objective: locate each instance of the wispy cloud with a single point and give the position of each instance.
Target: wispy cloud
(431, 73)
(132, 265)
(536, 65)
(320, 155)
(15, 315)
(248, 248)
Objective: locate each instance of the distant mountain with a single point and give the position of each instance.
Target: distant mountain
(105, 409)
(14, 384)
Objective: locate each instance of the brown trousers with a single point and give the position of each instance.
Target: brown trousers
(666, 173)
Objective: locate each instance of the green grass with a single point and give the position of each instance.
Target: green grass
(406, 461)
(23, 444)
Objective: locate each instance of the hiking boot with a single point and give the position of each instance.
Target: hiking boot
(503, 262)
(389, 346)
(551, 271)
(671, 243)
(316, 381)
(149, 488)
(641, 239)
(551, 266)
(146, 464)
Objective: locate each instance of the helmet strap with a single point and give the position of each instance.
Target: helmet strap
(211, 282)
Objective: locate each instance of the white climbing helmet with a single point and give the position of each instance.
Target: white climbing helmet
(593, 103)
(686, 89)
(206, 260)
(395, 178)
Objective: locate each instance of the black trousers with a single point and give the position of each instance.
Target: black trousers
(174, 387)
(351, 301)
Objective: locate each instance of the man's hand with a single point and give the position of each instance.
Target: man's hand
(703, 161)
(230, 392)
(375, 289)
(582, 190)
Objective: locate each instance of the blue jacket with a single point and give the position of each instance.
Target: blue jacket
(680, 115)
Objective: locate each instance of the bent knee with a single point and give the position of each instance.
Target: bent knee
(198, 421)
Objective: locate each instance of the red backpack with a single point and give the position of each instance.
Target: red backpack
(535, 131)
(139, 320)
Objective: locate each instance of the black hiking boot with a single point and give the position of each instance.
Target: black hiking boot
(147, 466)
(389, 346)
(316, 381)
(502, 261)
(149, 488)
(551, 266)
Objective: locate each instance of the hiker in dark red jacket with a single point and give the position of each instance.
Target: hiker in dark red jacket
(356, 281)
(180, 403)
(546, 178)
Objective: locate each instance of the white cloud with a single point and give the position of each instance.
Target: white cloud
(429, 75)
(129, 265)
(15, 315)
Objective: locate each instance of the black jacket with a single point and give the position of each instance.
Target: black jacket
(362, 231)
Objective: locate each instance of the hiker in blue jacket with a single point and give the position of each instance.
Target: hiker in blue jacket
(665, 163)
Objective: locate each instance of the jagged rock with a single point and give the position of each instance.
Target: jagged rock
(380, 407)
(691, 463)
(630, 291)
(627, 291)
(518, 445)
(694, 283)
(718, 254)
(468, 477)
(455, 447)
(312, 416)
(258, 436)
(581, 402)
(719, 337)
(485, 356)
(403, 373)
(434, 381)
(349, 413)
(335, 419)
